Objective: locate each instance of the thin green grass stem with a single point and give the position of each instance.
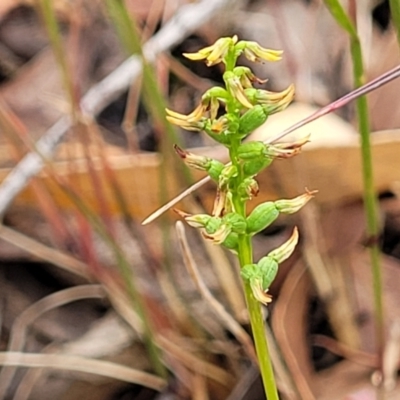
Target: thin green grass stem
(53, 32)
(125, 270)
(152, 96)
(395, 13)
(371, 209)
(128, 278)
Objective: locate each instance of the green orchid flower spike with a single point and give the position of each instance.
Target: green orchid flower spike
(229, 115)
(261, 275)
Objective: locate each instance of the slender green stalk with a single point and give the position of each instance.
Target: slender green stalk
(127, 276)
(55, 37)
(125, 271)
(246, 108)
(245, 256)
(395, 12)
(152, 96)
(257, 325)
(371, 209)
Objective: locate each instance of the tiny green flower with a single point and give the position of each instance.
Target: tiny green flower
(222, 203)
(234, 86)
(219, 125)
(236, 222)
(272, 101)
(258, 155)
(248, 189)
(219, 235)
(229, 172)
(254, 275)
(213, 167)
(211, 228)
(246, 76)
(211, 100)
(198, 220)
(215, 53)
(255, 53)
(261, 275)
(254, 156)
(195, 121)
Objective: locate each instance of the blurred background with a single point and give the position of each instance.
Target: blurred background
(96, 306)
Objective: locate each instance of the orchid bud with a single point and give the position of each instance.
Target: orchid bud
(217, 92)
(217, 236)
(248, 189)
(213, 129)
(261, 275)
(231, 242)
(234, 86)
(259, 280)
(246, 76)
(229, 172)
(211, 99)
(262, 216)
(268, 269)
(196, 221)
(212, 225)
(254, 154)
(252, 119)
(214, 169)
(251, 150)
(236, 222)
(253, 167)
(212, 228)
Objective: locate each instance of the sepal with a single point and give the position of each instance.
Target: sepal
(215, 53)
(211, 166)
(290, 206)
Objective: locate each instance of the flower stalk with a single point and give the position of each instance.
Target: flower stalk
(228, 115)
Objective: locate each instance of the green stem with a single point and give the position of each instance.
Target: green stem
(395, 13)
(53, 32)
(257, 324)
(371, 209)
(129, 280)
(245, 255)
